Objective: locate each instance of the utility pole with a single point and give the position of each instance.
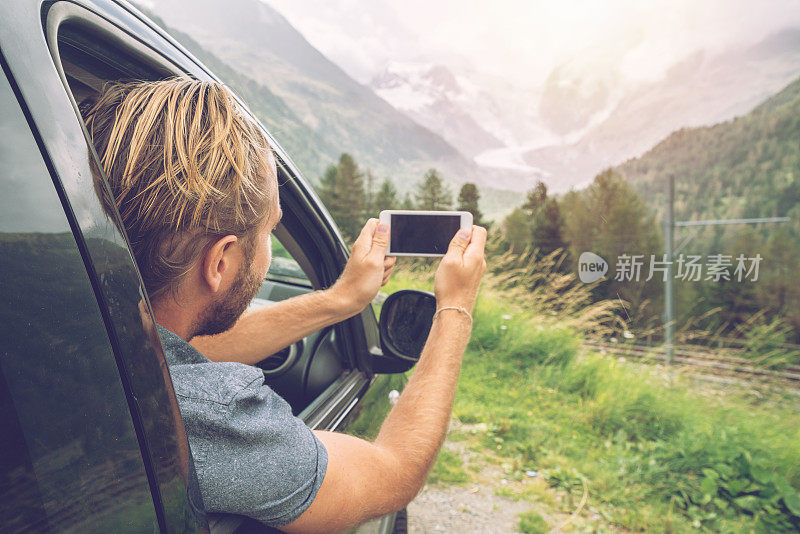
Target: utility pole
(669, 287)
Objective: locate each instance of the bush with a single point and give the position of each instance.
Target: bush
(729, 466)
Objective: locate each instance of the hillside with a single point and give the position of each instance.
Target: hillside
(569, 423)
(747, 167)
(253, 38)
(432, 95)
(307, 148)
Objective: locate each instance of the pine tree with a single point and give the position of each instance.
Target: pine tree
(536, 198)
(329, 188)
(517, 230)
(370, 195)
(547, 228)
(468, 198)
(432, 194)
(386, 199)
(407, 204)
(611, 220)
(342, 192)
(544, 222)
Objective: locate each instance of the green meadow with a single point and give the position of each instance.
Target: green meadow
(596, 443)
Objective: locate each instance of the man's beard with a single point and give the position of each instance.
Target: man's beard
(224, 313)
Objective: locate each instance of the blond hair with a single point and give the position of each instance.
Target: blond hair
(185, 166)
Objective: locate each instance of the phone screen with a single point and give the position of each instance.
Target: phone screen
(423, 234)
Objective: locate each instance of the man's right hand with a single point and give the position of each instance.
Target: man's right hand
(366, 271)
(460, 271)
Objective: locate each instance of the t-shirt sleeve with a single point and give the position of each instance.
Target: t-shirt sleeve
(262, 462)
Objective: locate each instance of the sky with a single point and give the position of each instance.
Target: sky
(522, 41)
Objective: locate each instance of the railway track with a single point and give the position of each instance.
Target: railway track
(704, 362)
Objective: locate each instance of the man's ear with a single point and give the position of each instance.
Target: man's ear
(219, 261)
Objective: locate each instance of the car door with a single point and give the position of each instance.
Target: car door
(326, 376)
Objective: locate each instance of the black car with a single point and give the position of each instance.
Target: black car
(91, 439)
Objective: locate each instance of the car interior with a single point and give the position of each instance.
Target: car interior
(300, 372)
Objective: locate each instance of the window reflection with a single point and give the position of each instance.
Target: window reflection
(70, 457)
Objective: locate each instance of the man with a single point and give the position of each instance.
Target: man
(195, 183)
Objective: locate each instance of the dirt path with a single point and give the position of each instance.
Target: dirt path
(463, 510)
(474, 507)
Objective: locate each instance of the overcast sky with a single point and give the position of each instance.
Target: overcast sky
(523, 40)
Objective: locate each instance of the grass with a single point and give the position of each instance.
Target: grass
(651, 454)
(448, 469)
(532, 523)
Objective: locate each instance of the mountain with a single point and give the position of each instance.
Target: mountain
(746, 167)
(433, 96)
(257, 41)
(481, 116)
(587, 114)
(306, 147)
(702, 89)
(328, 111)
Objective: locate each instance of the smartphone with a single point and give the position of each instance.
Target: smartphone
(423, 233)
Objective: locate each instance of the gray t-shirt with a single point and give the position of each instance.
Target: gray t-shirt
(252, 456)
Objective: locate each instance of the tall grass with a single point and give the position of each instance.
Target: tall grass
(530, 284)
(653, 454)
(762, 340)
(540, 286)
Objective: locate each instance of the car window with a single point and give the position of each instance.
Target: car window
(70, 456)
(295, 266)
(86, 74)
(89, 62)
(284, 268)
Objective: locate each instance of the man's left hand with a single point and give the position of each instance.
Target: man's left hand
(368, 268)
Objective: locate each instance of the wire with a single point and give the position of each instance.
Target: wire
(574, 514)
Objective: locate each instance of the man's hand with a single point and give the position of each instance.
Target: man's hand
(460, 271)
(367, 269)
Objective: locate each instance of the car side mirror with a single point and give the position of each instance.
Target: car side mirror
(406, 319)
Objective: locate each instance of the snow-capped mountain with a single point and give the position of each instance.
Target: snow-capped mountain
(462, 108)
(435, 98)
(586, 115)
(314, 108)
(622, 122)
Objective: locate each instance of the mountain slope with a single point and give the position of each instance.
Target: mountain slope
(747, 167)
(254, 39)
(434, 97)
(588, 114)
(304, 145)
